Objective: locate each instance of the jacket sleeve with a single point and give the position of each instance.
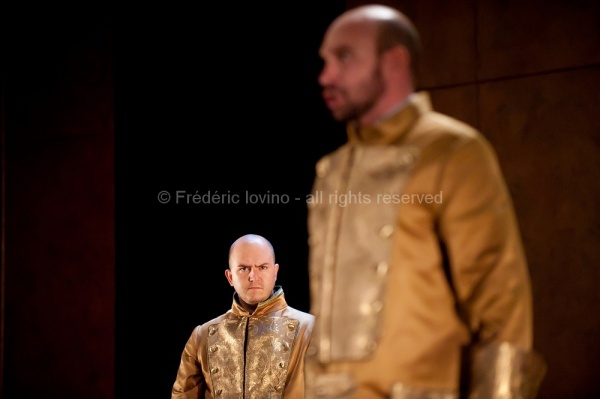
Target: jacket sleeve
(296, 378)
(486, 260)
(190, 382)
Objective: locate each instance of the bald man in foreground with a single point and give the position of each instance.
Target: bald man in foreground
(419, 282)
(255, 350)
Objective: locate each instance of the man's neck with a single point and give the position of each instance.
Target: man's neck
(393, 109)
(397, 108)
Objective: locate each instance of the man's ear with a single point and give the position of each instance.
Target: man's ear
(229, 276)
(397, 59)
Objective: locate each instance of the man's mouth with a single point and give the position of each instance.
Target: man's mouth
(331, 97)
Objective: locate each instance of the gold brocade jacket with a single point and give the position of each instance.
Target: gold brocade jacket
(415, 255)
(239, 355)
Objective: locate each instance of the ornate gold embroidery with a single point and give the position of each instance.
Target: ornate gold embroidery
(265, 367)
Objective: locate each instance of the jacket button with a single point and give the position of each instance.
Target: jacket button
(386, 231)
(365, 308)
(371, 346)
(376, 306)
(322, 167)
(382, 268)
(407, 158)
(371, 308)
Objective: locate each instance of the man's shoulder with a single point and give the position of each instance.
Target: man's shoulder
(217, 320)
(443, 133)
(445, 125)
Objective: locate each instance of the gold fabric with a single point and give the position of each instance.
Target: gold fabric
(400, 391)
(240, 355)
(503, 371)
(405, 212)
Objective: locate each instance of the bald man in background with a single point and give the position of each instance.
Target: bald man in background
(256, 349)
(419, 282)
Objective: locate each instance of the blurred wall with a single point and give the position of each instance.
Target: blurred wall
(58, 220)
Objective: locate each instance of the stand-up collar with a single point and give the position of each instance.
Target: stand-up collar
(275, 302)
(392, 128)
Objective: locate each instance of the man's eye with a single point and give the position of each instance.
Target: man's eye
(345, 56)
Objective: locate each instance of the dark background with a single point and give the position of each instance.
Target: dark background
(225, 105)
(104, 106)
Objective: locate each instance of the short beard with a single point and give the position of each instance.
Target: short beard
(373, 89)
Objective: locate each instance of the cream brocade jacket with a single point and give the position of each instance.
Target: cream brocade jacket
(240, 355)
(405, 217)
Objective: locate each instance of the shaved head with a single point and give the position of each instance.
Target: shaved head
(255, 240)
(392, 27)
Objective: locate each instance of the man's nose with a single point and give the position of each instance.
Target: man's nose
(327, 75)
(252, 274)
